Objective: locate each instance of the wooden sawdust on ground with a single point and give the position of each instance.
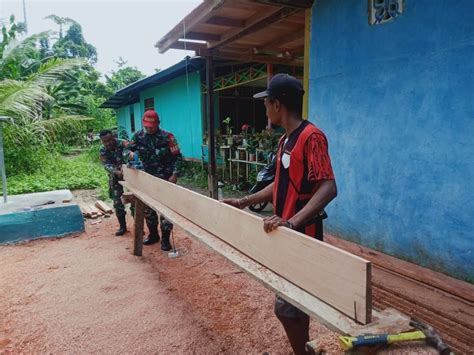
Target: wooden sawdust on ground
(87, 294)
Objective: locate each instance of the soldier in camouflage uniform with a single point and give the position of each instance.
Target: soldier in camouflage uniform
(111, 155)
(161, 157)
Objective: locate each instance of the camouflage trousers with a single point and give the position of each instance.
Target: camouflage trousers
(152, 220)
(152, 217)
(115, 193)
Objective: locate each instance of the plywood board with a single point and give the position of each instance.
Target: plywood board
(336, 277)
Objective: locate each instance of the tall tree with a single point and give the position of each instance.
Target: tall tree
(72, 44)
(60, 21)
(124, 76)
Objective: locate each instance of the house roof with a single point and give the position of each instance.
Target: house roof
(130, 94)
(268, 31)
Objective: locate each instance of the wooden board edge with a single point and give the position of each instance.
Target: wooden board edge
(322, 312)
(357, 309)
(368, 295)
(323, 244)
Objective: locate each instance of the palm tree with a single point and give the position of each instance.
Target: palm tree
(26, 93)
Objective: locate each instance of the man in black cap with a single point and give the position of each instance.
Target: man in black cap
(304, 184)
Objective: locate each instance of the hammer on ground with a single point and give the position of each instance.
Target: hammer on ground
(424, 332)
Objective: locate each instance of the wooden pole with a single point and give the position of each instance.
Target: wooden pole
(211, 166)
(269, 77)
(139, 221)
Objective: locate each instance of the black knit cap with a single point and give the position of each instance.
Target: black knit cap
(282, 85)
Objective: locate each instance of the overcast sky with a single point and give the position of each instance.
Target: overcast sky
(128, 29)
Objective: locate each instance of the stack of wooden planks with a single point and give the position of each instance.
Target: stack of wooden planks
(445, 303)
(99, 209)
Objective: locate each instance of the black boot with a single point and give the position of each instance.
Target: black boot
(123, 226)
(165, 240)
(153, 237)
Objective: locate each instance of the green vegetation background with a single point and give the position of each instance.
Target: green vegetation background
(52, 94)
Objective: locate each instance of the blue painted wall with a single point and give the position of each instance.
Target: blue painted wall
(123, 117)
(180, 111)
(137, 110)
(396, 102)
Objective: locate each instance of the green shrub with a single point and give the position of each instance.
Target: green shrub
(25, 160)
(193, 174)
(81, 172)
(29, 149)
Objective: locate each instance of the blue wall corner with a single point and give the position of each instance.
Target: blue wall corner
(179, 104)
(396, 102)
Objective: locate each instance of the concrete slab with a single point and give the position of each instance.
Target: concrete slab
(43, 214)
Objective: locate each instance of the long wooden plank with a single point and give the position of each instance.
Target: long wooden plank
(334, 276)
(101, 205)
(389, 320)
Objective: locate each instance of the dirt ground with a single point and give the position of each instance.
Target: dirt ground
(88, 294)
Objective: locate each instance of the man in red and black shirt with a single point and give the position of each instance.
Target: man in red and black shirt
(304, 184)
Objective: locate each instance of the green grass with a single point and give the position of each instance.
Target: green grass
(83, 171)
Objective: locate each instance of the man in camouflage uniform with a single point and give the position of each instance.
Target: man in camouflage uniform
(161, 157)
(111, 155)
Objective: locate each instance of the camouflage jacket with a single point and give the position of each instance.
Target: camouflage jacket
(113, 159)
(158, 152)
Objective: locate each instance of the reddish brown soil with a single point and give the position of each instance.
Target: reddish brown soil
(88, 294)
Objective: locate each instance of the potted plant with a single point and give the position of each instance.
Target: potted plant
(230, 139)
(244, 133)
(270, 140)
(260, 138)
(252, 144)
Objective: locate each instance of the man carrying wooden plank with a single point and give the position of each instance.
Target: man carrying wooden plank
(304, 184)
(111, 155)
(161, 157)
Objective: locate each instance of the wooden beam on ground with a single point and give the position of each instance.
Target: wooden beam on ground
(387, 321)
(103, 207)
(336, 277)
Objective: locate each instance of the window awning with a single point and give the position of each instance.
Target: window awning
(267, 31)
